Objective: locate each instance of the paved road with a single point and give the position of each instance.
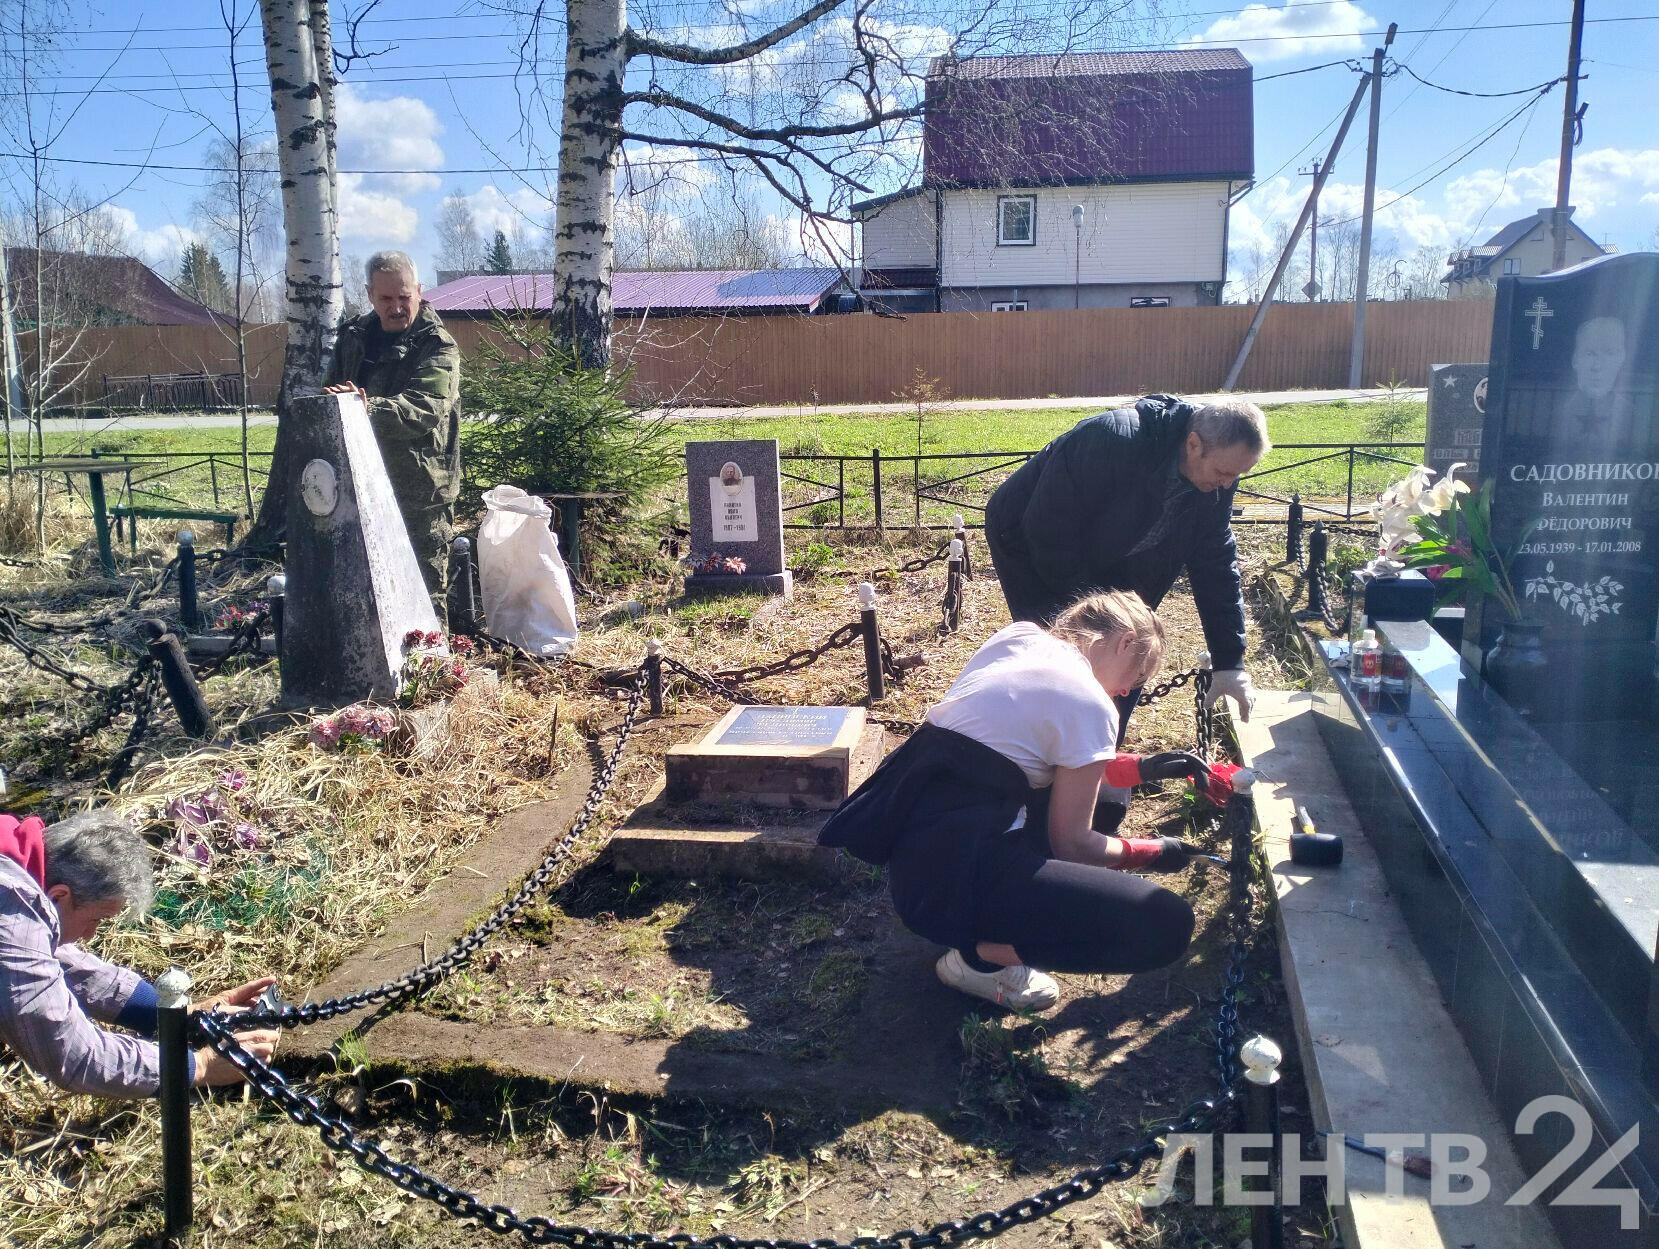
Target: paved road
(228, 420)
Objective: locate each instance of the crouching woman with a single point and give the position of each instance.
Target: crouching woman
(985, 817)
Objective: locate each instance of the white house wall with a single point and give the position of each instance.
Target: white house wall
(1143, 232)
(900, 236)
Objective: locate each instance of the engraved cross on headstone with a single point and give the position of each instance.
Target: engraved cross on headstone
(1537, 313)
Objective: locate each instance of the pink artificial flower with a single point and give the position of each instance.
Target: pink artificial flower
(382, 720)
(233, 779)
(461, 644)
(413, 638)
(325, 733)
(247, 835)
(193, 848)
(1436, 571)
(187, 813)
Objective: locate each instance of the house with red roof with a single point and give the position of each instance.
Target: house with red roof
(1090, 179)
(81, 289)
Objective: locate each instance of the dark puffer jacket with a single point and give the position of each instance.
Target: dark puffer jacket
(1069, 520)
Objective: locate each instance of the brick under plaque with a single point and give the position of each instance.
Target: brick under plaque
(795, 757)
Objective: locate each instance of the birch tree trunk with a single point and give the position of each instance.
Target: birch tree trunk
(596, 57)
(299, 58)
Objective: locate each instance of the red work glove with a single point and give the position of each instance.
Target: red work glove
(1128, 771)
(1219, 787)
(1156, 854)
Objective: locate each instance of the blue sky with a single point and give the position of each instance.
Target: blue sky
(441, 104)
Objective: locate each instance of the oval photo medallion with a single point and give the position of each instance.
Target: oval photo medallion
(319, 487)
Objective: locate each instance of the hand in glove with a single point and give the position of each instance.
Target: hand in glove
(1233, 683)
(1156, 854)
(1128, 771)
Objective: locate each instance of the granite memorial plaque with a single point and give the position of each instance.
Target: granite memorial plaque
(769, 756)
(1457, 410)
(354, 586)
(735, 491)
(1571, 447)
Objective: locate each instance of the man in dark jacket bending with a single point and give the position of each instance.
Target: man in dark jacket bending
(403, 362)
(1125, 501)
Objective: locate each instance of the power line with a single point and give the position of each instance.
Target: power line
(1456, 43)
(1485, 95)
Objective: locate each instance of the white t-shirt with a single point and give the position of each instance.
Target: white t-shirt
(1032, 698)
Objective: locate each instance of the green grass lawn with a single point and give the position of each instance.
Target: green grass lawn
(942, 431)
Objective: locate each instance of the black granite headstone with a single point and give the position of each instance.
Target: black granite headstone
(1457, 410)
(1571, 446)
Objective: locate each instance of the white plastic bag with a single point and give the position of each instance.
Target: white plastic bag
(521, 575)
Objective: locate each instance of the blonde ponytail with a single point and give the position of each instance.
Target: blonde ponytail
(1107, 613)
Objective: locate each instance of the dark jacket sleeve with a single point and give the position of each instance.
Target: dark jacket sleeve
(1083, 468)
(1217, 590)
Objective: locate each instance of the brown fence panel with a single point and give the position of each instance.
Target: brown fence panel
(868, 359)
(85, 358)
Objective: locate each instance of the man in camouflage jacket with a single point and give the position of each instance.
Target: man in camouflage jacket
(408, 370)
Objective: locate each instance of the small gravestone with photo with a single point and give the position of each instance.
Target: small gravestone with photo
(1457, 412)
(735, 490)
(1571, 447)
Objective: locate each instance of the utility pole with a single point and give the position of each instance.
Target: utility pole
(1311, 290)
(1362, 281)
(1570, 119)
(1295, 236)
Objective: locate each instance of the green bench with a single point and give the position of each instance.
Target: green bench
(132, 513)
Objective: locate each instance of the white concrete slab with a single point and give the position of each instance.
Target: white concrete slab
(1380, 1052)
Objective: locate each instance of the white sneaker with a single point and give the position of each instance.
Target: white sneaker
(1017, 988)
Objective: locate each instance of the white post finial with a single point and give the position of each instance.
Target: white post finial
(654, 648)
(186, 538)
(956, 521)
(1243, 779)
(956, 548)
(173, 989)
(1261, 1057)
(866, 595)
(276, 586)
(1204, 660)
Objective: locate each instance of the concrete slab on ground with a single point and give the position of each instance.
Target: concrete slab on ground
(1380, 1052)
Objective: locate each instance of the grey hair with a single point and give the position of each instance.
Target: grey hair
(1231, 423)
(99, 856)
(390, 262)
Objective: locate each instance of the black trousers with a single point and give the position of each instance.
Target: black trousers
(1058, 916)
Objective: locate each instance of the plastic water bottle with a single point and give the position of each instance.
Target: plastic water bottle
(1365, 669)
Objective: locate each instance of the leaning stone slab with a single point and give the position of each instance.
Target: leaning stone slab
(354, 588)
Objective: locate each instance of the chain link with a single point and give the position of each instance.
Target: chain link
(144, 704)
(431, 973)
(914, 565)
(1163, 688)
(42, 660)
(116, 701)
(1202, 1116)
(845, 636)
(245, 642)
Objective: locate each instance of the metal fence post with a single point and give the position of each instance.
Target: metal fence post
(1318, 547)
(173, 1040)
(1293, 534)
(463, 604)
(653, 674)
(276, 597)
(953, 587)
(875, 472)
(873, 675)
(1348, 512)
(180, 683)
(967, 555)
(188, 612)
(1261, 1058)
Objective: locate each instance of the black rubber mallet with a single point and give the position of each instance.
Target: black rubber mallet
(1310, 847)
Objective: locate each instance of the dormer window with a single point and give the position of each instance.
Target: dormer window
(1016, 220)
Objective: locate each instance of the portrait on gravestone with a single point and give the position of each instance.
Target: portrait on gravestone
(732, 504)
(1572, 451)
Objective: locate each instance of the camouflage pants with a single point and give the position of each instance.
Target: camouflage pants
(430, 532)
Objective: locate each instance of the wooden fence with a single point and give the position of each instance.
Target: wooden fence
(868, 359)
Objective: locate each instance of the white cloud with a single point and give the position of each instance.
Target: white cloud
(377, 217)
(160, 248)
(649, 165)
(1281, 33)
(1603, 179)
(396, 133)
(520, 210)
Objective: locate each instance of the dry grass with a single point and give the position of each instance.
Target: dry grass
(356, 836)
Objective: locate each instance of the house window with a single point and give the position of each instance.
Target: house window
(1009, 305)
(1149, 301)
(1016, 220)
(1511, 265)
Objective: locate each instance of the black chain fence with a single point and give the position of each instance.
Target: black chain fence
(1207, 1114)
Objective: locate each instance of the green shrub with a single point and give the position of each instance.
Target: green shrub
(814, 559)
(540, 421)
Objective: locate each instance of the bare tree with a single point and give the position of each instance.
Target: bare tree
(240, 210)
(299, 54)
(459, 245)
(820, 102)
(663, 226)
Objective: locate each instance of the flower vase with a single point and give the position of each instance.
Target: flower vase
(1515, 666)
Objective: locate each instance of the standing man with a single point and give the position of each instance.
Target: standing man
(407, 368)
(1125, 501)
